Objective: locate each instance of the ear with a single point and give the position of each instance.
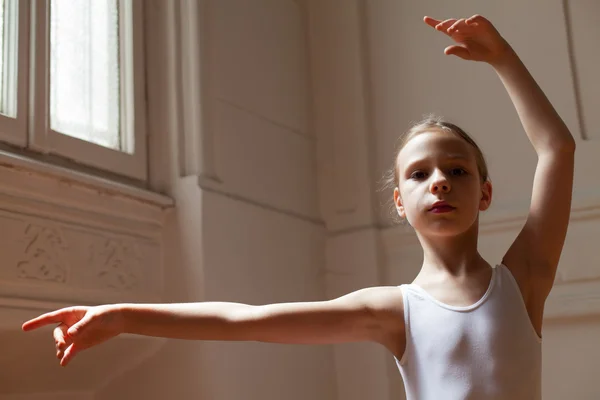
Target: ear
(486, 196)
(398, 203)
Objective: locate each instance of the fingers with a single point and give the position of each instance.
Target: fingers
(68, 315)
(443, 26)
(46, 319)
(60, 333)
(69, 354)
(60, 339)
(432, 22)
(439, 25)
(66, 348)
(456, 26)
(451, 23)
(71, 322)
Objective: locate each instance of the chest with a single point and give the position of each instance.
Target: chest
(461, 292)
(466, 337)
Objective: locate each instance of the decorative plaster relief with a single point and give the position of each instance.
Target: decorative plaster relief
(41, 254)
(44, 255)
(114, 262)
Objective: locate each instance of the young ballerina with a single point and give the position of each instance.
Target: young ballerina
(463, 328)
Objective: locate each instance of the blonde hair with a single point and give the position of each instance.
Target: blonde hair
(391, 178)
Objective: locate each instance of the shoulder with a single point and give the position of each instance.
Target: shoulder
(379, 300)
(385, 307)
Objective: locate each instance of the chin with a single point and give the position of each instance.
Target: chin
(446, 227)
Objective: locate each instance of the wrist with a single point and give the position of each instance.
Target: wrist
(507, 58)
(120, 314)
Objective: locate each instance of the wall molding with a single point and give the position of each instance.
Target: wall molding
(32, 167)
(584, 208)
(572, 300)
(29, 186)
(210, 186)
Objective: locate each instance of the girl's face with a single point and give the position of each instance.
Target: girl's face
(435, 167)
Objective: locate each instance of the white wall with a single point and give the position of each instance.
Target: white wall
(247, 222)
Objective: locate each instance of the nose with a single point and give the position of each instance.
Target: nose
(440, 183)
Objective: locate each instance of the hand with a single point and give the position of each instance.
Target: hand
(477, 38)
(79, 328)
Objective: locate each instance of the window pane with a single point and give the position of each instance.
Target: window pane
(84, 71)
(8, 57)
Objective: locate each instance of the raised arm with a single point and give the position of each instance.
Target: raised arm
(373, 314)
(540, 243)
(541, 240)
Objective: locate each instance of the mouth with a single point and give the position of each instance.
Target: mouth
(441, 207)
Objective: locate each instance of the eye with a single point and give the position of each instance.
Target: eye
(457, 171)
(418, 175)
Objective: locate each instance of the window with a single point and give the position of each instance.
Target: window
(79, 93)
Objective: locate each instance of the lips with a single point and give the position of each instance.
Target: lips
(441, 206)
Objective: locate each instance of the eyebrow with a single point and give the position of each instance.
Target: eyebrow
(450, 156)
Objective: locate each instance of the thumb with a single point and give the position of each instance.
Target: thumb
(458, 51)
(80, 326)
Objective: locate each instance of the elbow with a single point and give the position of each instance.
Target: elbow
(244, 314)
(245, 323)
(563, 147)
(566, 145)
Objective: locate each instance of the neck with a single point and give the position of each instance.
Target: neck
(455, 255)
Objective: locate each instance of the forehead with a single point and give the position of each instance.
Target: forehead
(434, 144)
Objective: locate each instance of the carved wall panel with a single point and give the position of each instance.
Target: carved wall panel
(42, 255)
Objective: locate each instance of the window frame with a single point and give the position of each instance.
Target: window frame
(13, 130)
(41, 138)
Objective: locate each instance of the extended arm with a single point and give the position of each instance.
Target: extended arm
(373, 314)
